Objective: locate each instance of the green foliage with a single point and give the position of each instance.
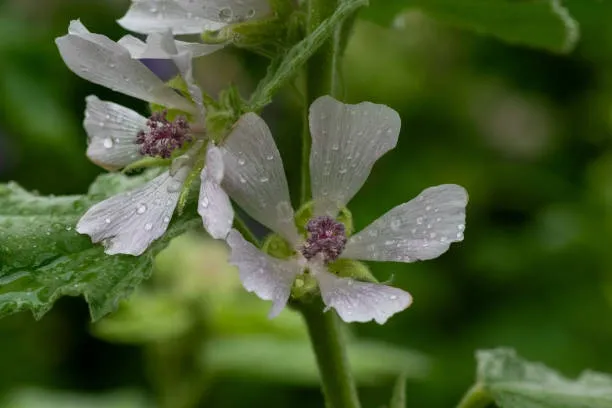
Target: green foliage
(270, 359)
(42, 257)
(516, 383)
(41, 398)
(538, 23)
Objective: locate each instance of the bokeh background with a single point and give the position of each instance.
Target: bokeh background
(527, 132)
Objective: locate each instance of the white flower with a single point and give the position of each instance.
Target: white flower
(190, 16)
(346, 142)
(127, 223)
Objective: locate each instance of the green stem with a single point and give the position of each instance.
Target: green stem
(328, 344)
(297, 56)
(246, 232)
(476, 397)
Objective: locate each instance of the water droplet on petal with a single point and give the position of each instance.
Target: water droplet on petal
(393, 297)
(241, 162)
(461, 227)
(148, 226)
(166, 220)
(226, 14)
(264, 179)
(108, 143)
(205, 202)
(269, 157)
(107, 220)
(142, 208)
(419, 220)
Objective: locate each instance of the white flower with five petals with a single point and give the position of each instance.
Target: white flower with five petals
(190, 16)
(127, 223)
(346, 142)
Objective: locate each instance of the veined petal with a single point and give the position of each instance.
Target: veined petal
(214, 205)
(346, 142)
(255, 178)
(420, 229)
(150, 16)
(127, 223)
(227, 11)
(112, 131)
(140, 49)
(100, 60)
(357, 301)
(269, 278)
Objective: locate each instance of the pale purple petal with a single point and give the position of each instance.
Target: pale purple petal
(214, 205)
(127, 223)
(346, 142)
(357, 301)
(104, 62)
(112, 131)
(228, 11)
(152, 49)
(420, 229)
(255, 178)
(269, 278)
(163, 46)
(149, 16)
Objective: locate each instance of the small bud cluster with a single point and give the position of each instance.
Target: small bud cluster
(162, 136)
(326, 236)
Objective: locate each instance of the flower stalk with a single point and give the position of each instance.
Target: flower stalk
(329, 346)
(476, 397)
(328, 343)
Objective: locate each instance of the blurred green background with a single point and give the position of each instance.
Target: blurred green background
(527, 132)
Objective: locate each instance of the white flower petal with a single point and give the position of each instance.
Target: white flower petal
(112, 131)
(346, 142)
(214, 205)
(420, 229)
(104, 62)
(127, 223)
(269, 278)
(255, 178)
(163, 46)
(357, 301)
(150, 16)
(227, 11)
(140, 49)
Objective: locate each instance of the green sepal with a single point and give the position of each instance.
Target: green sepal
(146, 162)
(350, 268)
(304, 287)
(305, 212)
(171, 114)
(277, 247)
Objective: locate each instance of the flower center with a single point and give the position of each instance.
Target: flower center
(326, 236)
(162, 137)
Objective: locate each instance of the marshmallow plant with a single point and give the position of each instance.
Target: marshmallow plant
(203, 157)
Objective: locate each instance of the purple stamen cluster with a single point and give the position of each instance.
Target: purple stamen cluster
(326, 236)
(162, 136)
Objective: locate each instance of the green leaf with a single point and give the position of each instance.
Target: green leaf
(516, 383)
(43, 258)
(40, 398)
(272, 359)
(536, 23)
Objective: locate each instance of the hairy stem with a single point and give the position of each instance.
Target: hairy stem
(476, 397)
(329, 346)
(297, 56)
